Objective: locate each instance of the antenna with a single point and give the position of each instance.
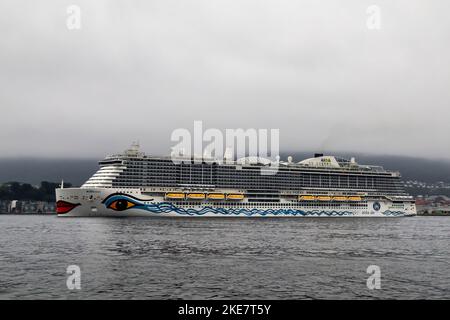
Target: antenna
(228, 154)
(135, 145)
(207, 154)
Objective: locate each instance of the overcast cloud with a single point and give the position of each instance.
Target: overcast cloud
(140, 69)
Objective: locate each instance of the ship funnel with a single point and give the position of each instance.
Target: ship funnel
(318, 155)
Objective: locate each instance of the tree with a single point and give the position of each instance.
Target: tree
(25, 191)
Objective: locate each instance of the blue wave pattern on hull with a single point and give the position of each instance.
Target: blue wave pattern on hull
(390, 213)
(167, 207)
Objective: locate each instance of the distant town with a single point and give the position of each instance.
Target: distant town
(27, 207)
(433, 205)
(24, 198)
(425, 185)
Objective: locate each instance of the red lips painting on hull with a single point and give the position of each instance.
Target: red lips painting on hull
(64, 206)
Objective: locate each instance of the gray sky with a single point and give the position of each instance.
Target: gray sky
(140, 69)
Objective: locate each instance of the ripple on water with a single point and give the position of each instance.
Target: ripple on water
(224, 258)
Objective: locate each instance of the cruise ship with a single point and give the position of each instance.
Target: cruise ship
(134, 184)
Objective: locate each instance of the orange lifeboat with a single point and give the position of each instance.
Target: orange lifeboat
(235, 196)
(196, 196)
(175, 195)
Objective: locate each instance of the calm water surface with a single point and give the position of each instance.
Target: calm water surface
(142, 258)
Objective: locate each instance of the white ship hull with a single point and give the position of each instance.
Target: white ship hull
(112, 202)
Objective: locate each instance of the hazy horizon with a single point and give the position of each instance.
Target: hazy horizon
(77, 171)
(283, 155)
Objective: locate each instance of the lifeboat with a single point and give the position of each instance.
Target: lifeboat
(216, 196)
(340, 198)
(307, 198)
(355, 198)
(324, 198)
(196, 196)
(175, 195)
(235, 196)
